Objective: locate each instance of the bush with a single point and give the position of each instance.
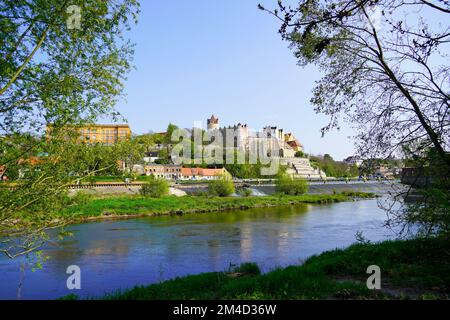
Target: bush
(249, 268)
(222, 187)
(91, 180)
(334, 168)
(288, 185)
(244, 171)
(81, 198)
(245, 192)
(154, 188)
(300, 154)
(200, 193)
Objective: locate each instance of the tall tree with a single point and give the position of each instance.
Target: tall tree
(386, 70)
(61, 62)
(385, 67)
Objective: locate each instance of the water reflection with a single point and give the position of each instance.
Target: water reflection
(121, 254)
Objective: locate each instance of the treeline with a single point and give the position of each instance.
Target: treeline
(67, 156)
(334, 168)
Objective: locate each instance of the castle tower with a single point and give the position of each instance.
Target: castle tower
(213, 123)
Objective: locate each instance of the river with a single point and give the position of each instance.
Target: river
(119, 254)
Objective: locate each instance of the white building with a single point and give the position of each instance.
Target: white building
(243, 139)
(352, 160)
(151, 157)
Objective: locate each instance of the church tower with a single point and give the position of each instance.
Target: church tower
(213, 123)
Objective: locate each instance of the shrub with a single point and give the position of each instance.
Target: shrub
(245, 192)
(249, 268)
(81, 198)
(222, 187)
(200, 193)
(300, 154)
(91, 180)
(288, 185)
(154, 188)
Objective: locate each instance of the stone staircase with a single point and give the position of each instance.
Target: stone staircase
(301, 168)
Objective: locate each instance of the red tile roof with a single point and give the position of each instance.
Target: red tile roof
(293, 144)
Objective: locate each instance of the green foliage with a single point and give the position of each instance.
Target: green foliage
(50, 74)
(154, 187)
(334, 168)
(320, 276)
(188, 204)
(248, 268)
(89, 160)
(70, 297)
(222, 187)
(249, 171)
(427, 207)
(128, 151)
(343, 40)
(245, 192)
(37, 191)
(357, 194)
(90, 180)
(288, 185)
(431, 214)
(149, 140)
(300, 154)
(168, 136)
(81, 198)
(163, 157)
(244, 171)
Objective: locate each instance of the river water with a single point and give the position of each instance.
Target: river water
(119, 254)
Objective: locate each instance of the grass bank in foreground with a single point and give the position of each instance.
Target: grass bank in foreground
(414, 269)
(142, 206)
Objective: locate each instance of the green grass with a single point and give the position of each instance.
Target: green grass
(418, 269)
(138, 205)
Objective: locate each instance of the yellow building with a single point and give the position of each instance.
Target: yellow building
(107, 134)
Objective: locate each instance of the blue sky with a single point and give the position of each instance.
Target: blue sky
(201, 57)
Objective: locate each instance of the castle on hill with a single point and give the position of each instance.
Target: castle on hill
(275, 141)
(281, 144)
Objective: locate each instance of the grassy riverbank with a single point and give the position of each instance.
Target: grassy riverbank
(413, 269)
(141, 206)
